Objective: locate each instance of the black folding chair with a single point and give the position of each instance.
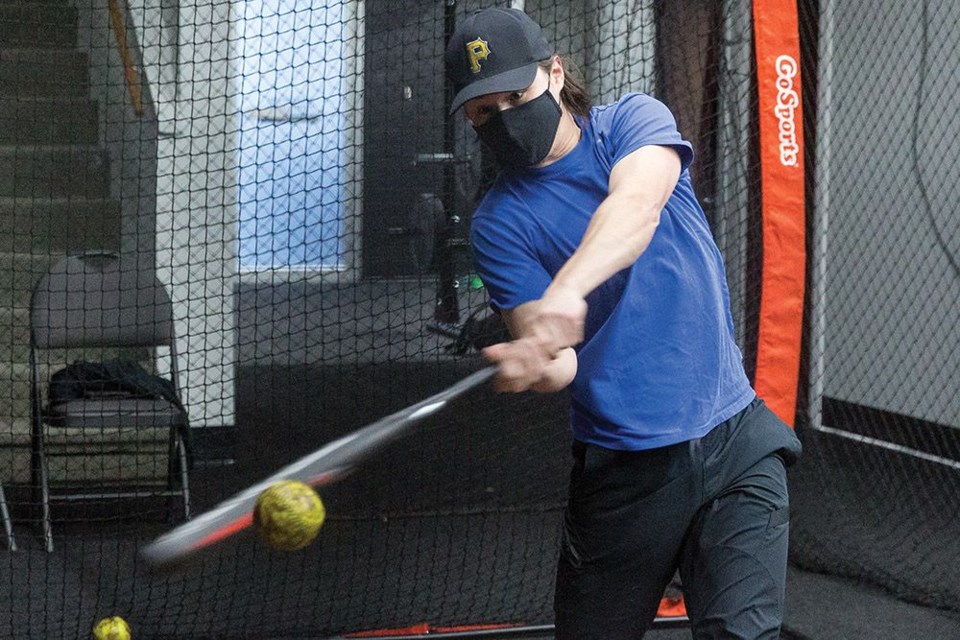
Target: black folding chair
(96, 302)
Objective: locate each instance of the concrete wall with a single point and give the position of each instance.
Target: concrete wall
(189, 66)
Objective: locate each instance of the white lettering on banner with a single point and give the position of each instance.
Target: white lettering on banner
(787, 102)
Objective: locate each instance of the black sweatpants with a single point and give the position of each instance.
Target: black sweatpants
(715, 507)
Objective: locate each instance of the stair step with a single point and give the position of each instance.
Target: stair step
(64, 170)
(143, 457)
(15, 352)
(56, 3)
(18, 273)
(15, 391)
(48, 121)
(14, 450)
(38, 24)
(43, 72)
(59, 225)
(14, 338)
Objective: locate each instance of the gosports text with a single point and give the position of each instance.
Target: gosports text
(787, 102)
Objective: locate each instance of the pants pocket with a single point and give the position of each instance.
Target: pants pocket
(779, 517)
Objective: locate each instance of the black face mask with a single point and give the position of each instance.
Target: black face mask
(522, 136)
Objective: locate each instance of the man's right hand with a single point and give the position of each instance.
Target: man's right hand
(541, 357)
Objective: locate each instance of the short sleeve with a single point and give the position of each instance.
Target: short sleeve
(506, 262)
(638, 120)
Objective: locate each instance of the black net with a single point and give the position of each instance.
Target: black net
(276, 186)
(876, 496)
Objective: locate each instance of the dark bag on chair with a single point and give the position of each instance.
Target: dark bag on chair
(84, 380)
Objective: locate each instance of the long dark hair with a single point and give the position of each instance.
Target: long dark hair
(574, 93)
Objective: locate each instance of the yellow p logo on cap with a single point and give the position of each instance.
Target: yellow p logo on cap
(477, 50)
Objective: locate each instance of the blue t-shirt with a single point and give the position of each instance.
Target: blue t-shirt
(658, 364)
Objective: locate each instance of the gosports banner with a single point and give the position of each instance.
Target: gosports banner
(777, 46)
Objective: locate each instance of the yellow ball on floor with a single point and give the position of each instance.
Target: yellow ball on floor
(114, 628)
(288, 515)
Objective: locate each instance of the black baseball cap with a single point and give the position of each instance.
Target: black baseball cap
(494, 50)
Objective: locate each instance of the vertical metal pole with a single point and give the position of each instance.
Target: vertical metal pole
(448, 305)
(821, 211)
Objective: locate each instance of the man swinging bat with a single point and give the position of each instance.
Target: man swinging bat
(596, 253)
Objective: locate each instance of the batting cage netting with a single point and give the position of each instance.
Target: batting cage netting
(234, 231)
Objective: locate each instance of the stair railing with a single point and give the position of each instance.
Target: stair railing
(129, 70)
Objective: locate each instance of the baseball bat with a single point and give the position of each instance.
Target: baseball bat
(327, 465)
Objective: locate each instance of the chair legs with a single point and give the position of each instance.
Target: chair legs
(177, 470)
(45, 502)
(184, 479)
(7, 524)
(177, 458)
(41, 486)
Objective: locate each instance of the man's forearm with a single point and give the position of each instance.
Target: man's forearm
(618, 234)
(623, 225)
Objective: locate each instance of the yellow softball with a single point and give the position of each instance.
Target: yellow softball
(114, 628)
(288, 515)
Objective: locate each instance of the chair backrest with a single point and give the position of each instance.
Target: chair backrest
(100, 300)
